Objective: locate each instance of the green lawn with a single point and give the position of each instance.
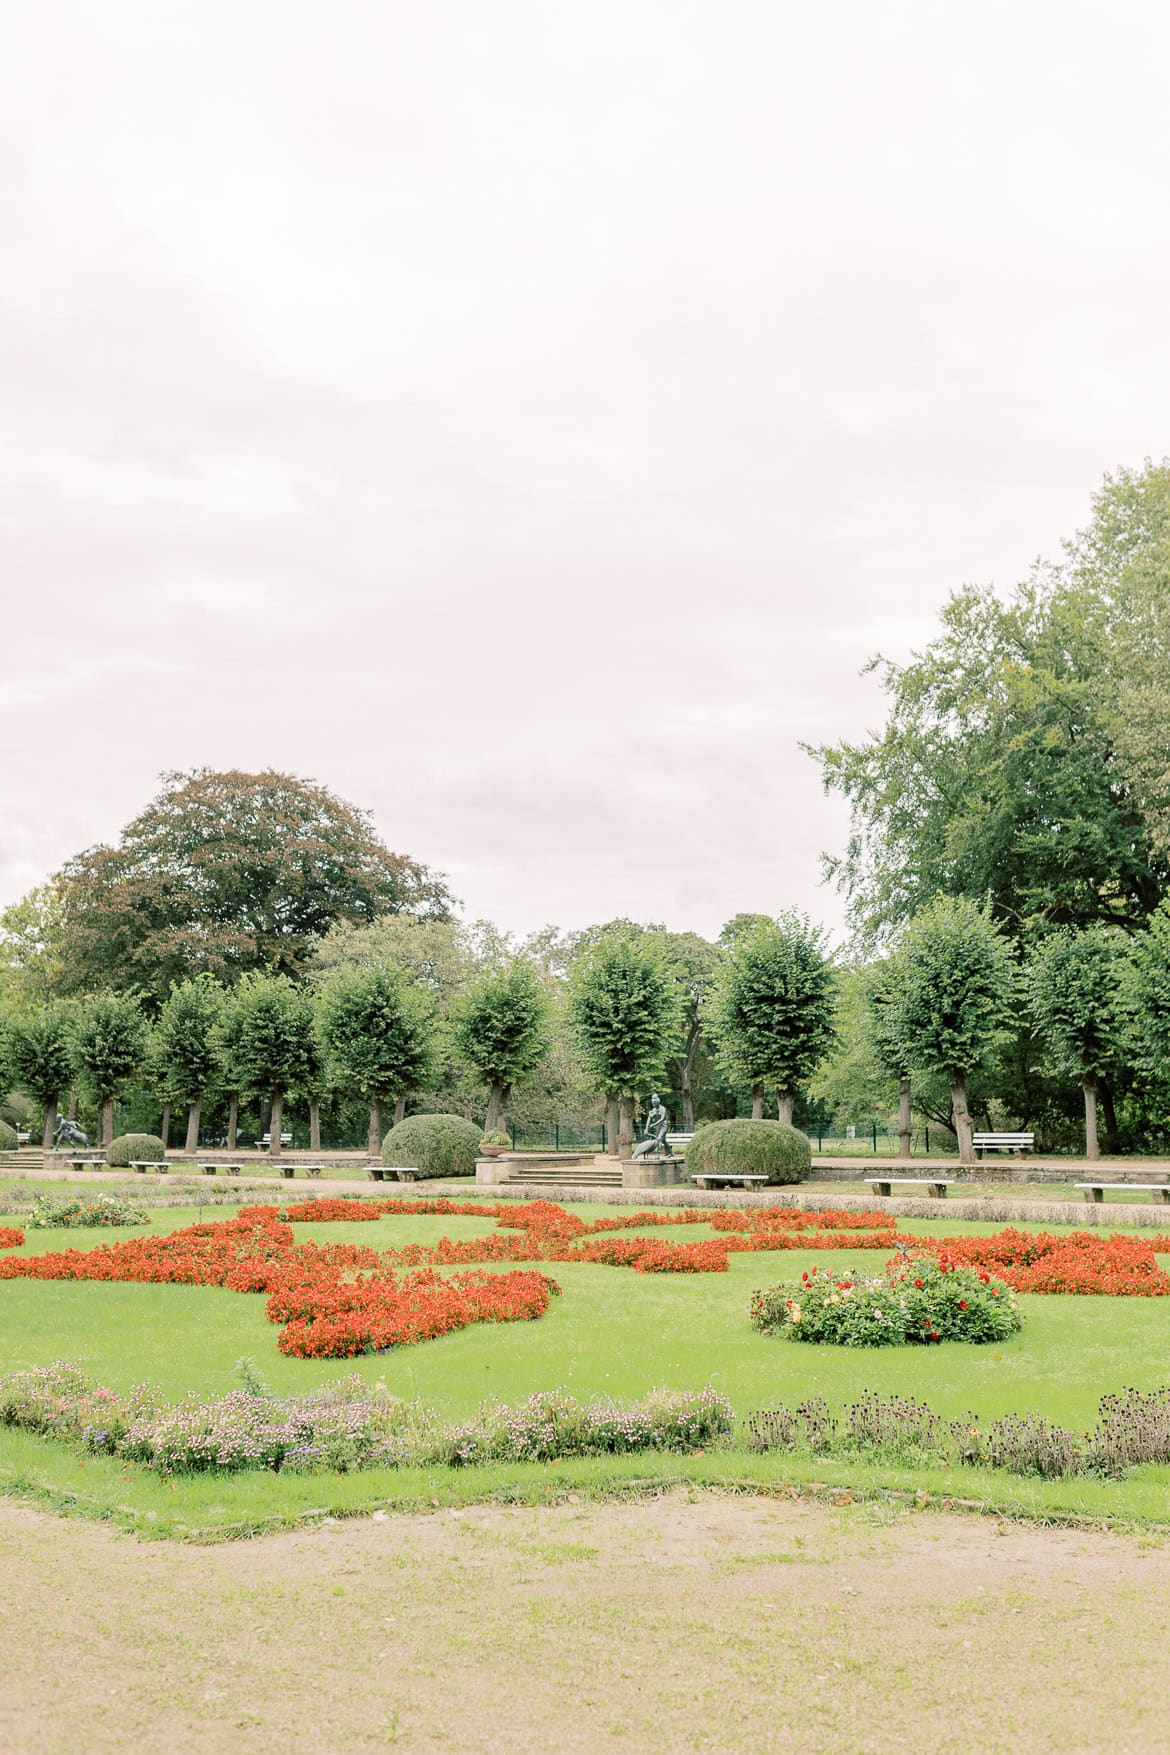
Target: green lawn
(613, 1332)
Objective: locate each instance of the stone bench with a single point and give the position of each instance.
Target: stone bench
(727, 1179)
(395, 1172)
(1095, 1191)
(142, 1165)
(936, 1186)
(230, 1169)
(94, 1161)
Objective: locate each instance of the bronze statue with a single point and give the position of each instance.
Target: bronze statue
(69, 1134)
(656, 1143)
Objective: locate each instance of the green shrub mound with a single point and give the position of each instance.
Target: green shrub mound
(436, 1145)
(8, 1141)
(768, 1148)
(143, 1147)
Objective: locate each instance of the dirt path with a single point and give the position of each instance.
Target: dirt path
(678, 1624)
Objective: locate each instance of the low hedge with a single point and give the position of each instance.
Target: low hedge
(143, 1147)
(769, 1148)
(436, 1145)
(8, 1139)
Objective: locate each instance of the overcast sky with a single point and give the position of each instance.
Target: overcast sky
(526, 418)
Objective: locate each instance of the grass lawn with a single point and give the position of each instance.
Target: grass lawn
(613, 1332)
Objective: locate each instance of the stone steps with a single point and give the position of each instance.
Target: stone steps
(580, 1176)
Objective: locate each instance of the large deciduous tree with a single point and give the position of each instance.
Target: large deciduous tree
(622, 1009)
(951, 998)
(186, 1046)
(109, 1046)
(772, 1008)
(40, 1057)
(499, 1027)
(270, 1030)
(378, 1030)
(693, 963)
(225, 873)
(1146, 1002)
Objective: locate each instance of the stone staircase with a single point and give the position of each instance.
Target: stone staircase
(582, 1174)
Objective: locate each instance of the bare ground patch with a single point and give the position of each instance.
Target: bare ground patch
(707, 1623)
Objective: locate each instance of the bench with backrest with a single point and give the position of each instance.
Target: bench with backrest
(22, 1136)
(142, 1165)
(1004, 1142)
(935, 1186)
(728, 1179)
(265, 1140)
(679, 1140)
(1095, 1191)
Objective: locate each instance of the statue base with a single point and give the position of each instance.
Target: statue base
(652, 1172)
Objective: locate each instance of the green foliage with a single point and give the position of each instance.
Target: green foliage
(1146, 998)
(378, 1031)
(773, 1003)
(40, 1051)
(80, 1213)
(499, 1024)
(955, 987)
(916, 1301)
(185, 1046)
(145, 1148)
(270, 1031)
(623, 1011)
(8, 1139)
(494, 1138)
(435, 1145)
(109, 1042)
(1074, 988)
(224, 873)
(771, 1148)
(998, 773)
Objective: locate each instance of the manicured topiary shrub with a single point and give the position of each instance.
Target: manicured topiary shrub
(768, 1148)
(8, 1141)
(143, 1147)
(436, 1145)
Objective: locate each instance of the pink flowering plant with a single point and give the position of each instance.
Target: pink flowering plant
(917, 1300)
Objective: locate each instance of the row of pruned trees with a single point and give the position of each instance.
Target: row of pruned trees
(368, 1033)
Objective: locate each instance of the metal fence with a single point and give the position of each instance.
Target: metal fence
(876, 1139)
(557, 1136)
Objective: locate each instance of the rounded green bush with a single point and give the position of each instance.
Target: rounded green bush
(143, 1147)
(768, 1148)
(436, 1145)
(8, 1140)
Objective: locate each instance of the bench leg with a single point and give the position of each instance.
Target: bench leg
(1161, 1196)
(938, 1191)
(1095, 1195)
(882, 1188)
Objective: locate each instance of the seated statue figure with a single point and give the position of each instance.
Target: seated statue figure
(655, 1143)
(68, 1134)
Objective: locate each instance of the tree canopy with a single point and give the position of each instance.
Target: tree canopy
(378, 1032)
(109, 1044)
(499, 1027)
(623, 1014)
(772, 1006)
(227, 872)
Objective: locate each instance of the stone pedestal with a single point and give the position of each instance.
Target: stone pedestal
(490, 1172)
(652, 1172)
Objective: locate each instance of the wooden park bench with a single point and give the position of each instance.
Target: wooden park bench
(1004, 1142)
(22, 1136)
(936, 1186)
(1095, 1191)
(727, 1179)
(142, 1165)
(679, 1140)
(265, 1140)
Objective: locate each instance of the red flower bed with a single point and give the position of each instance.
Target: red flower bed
(10, 1237)
(1080, 1263)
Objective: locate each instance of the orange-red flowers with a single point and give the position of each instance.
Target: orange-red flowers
(10, 1237)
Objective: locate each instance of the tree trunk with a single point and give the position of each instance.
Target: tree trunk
(233, 1120)
(314, 1124)
(50, 1125)
(757, 1102)
(165, 1129)
(784, 1107)
(1112, 1133)
(625, 1126)
(274, 1124)
(963, 1131)
(374, 1137)
(400, 1108)
(496, 1119)
(193, 1113)
(1089, 1086)
(611, 1126)
(73, 1105)
(688, 1101)
(905, 1120)
(107, 1138)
